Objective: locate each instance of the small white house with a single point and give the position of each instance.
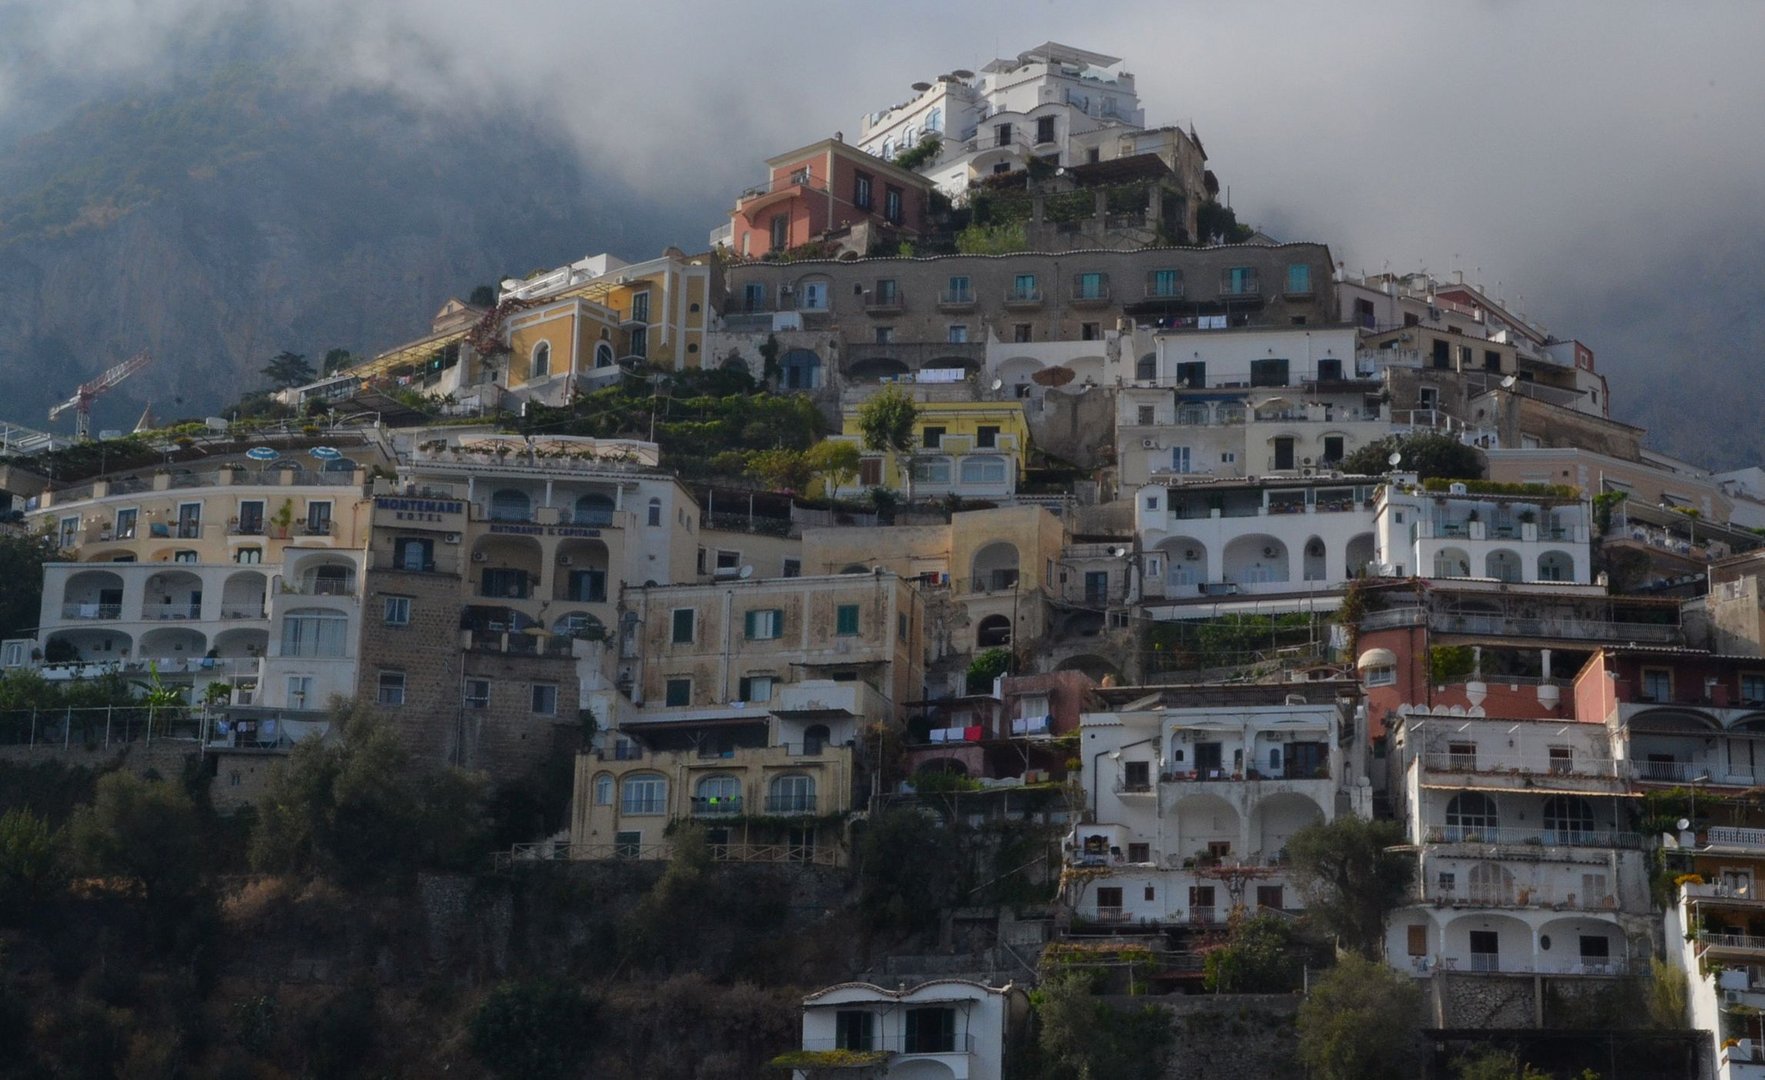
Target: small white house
(946, 1029)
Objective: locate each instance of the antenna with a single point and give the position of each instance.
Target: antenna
(746, 572)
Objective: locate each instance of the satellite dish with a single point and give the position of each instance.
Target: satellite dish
(1684, 824)
(1510, 382)
(1119, 552)
(1395, 459)
(745, 572)
(998, 384)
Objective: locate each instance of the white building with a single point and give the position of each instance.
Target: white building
(1526, 864)
(947, 1029)
(1507, 537)
(1191, 805)
(1204, 541)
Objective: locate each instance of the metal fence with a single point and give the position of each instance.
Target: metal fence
(103, 725)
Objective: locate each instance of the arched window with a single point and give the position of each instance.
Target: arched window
(888, 149)
(801, 369)
(594, 509)
(510, 504)
(334, 580)
(655, 513)
(1469, 816)
(994, 632)
(603, 789)
(1568, 819)
(603, 355)
(793, 793)
(718, 795)
(540, 364)
(645, 793)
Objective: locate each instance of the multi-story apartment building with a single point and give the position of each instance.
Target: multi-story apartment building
(1207, 541)
(1715, 932)
(1005, 730)
(1455, 533)
(944, 1028)
(892, 317)
(972, 450)
(1680, 717)
(828, 191)
(1527, 860)
(1194, 792)
(1053, 105)
(248, 574)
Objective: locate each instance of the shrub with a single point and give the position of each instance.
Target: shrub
(533, 1030)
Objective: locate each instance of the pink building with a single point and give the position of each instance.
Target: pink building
(824, 191)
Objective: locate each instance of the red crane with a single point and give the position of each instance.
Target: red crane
(81, 402)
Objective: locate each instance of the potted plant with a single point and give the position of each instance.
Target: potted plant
(283, 519)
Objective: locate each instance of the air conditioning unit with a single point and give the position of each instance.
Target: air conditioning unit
(451, 538)
(1731, 997)
(786, 290)
(1268, 552)
(563, 560)
(478, 556)
(1150, 444)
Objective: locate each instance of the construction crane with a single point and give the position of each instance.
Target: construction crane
(81, 402)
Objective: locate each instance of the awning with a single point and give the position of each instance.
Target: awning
(1376, 658)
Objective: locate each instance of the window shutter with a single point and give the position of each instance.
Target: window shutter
(748, 625)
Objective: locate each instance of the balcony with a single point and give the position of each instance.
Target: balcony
(1164, 290)
(1735, 943)
(822, 699)
(1023, 299)
(716, 806)
(1090, 296)
(1735, 838)
(1134, 787)
(956, 300)
(1551, 627)
(1231, 288)
(790, 804)
(1679, 772)
(171, 611)
(1580, 838)
(892, 1043)
(891, 302)
(243, 611)
(89, 610)
(1521, 770)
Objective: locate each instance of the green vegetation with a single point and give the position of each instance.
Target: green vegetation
(1361, 1021)
(1229, 640)
(1217, 224)
(1262, 955)
(1426, 454)
(1351, 878)
(1085, 1038)
(21, 583)
(1450, 663)
(540, 1030)
(288, 369)
(28, 866)
(1001, 239)
(909, 867)
(1474, 486)
(887, 421)
(140, 831)
(927, 150)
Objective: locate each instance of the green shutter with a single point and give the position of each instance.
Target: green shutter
(848, 619)
(748, 625)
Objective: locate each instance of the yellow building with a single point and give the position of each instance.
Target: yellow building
(971, 449)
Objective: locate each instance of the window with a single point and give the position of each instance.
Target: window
(640, 342)
(1567, 819)
(1090, 331)
(959, 291)
(314, 633)
(1562, 760)
(503, 583)
(1383, 675)
(1657, 684)
(931, 471)
(792, 568)
(545, 699)
(300, 691)
(753, 297)
(249, 555)
(683, 625)
(1020, 332)
(932, 438)
(1416, 940)
(756, 689)
(1752, 689)
(477, 694)
(983, 470)
(1044, 129)
(1298, 279)
(1001, 134)
(957, 334)
(644, 793)
(793, 793)
(1091, 286)
(1180, 460)
(812, 296)
(854, 1029)
(397, 611)
(885, 335)
(931, 1030)
(870, 472)
(1023, 287)
(901, 626)
(1442, 354)
(986, 437)
(640, 307)
(251, 518)
(1164, 283)
(892, 204)
(510, 504)
(539, 363)
(391, 688)
(781, 231)
(1139, 853)
(1468, 816)
(861, 187)
(1333, 448)
(1137, 776)
(416, 556)
(603, 789)
(1109, 900)
(655, 518)
(888, 293)
(1240, 281)
(125, 524)
(627, 845)
(765, 625)
(1146, 415)
(1271, 897)
(603, 355)
(677, 693)
(587, 586)
(1485, 950)
(1268, 372)
(846, 620)
(1192, 374)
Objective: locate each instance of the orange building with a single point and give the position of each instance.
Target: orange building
(827, 190)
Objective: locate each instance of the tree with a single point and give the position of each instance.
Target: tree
(482, 296)
(1426, 454)
(1218, 224)
(1351, 878)
(1492, 1064)
(144, 830)
(359, 811)
(337, 359)
(780, 469)
(1085, 1038)
(909, 868)
(539, 1030)
(1361, 1021)
(21, 583)
(287, 369)
(835, 462)
(887, 421)
(1260, 957)
(27, 862)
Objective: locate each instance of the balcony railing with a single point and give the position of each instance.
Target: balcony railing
(1015, 297)
(885, 303)
(1749, 942)
(242, 611)
(716, 805)
(171, 611)
(1675, 772)
(956, 299)
(91, 611)
(898, 1043)
(1240, 287)
(1090, 295)
(1157, 291)
(790, 804)
(1533, 764)
(1734, 837)
(1470, 834)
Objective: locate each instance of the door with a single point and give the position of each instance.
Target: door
(1096, 586)
(251, 518)
(1485, 950)
(318, 519)
(1201, 909)
(1283, 453)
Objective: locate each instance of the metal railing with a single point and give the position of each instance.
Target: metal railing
(1566, 837)
(1734, 836)
(716, 805)
(945, 1043)
(91, 611)
(1015, 295)
(1532, 764)
(1710, 940)
(98, 726)
(957, 298)
(1675, 772)
(556, 851)
(790, 804)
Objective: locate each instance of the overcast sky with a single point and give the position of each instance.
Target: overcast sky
(1563, 154)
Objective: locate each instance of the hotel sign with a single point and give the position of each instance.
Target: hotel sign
(403, 509)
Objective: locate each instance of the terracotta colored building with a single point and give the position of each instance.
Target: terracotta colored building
(827, 190)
